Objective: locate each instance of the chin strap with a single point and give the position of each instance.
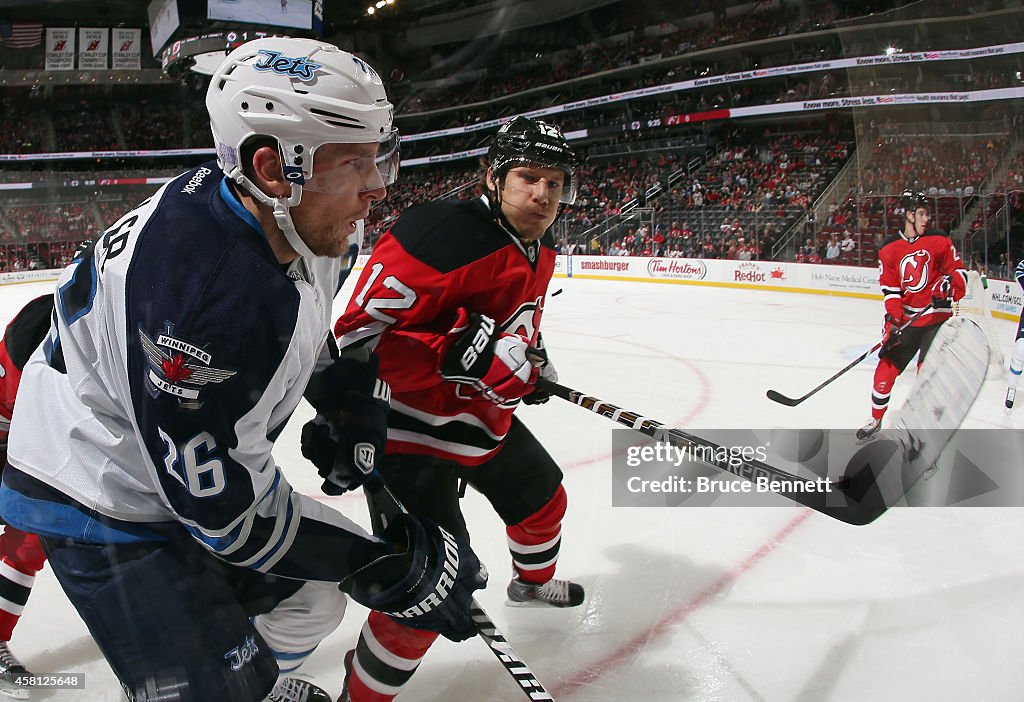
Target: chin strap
(282, 216)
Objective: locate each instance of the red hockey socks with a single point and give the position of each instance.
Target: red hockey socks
(21, 557)
(386, 657)
(885, 375)
(535, 541)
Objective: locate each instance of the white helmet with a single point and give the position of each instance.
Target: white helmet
(304, 93)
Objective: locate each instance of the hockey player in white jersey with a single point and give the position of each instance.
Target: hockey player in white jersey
(181, 342)
(1017, 357)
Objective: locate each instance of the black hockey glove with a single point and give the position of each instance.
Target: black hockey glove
(346, 438)
(428, 584)
(538, 356)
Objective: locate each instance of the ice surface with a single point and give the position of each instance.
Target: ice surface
(695, 603)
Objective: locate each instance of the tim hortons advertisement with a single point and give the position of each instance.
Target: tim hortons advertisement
(679, 268)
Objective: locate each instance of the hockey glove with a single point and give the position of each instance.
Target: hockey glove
(347, 437)
(891, 334)
(538, 356)
(490, 362)
(942, 293)
(428, 584)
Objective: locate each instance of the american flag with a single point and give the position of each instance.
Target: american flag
(21, 35)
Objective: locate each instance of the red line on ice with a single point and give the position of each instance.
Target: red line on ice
(678, 616)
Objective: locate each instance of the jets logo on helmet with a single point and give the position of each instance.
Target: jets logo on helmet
(298, 67)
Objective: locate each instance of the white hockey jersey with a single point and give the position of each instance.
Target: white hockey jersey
(178, 350)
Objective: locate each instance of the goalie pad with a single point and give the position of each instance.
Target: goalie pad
(948, 383)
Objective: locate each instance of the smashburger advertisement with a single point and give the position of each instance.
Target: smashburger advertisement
(680, 268)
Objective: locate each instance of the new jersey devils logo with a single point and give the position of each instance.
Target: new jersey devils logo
(914, 269)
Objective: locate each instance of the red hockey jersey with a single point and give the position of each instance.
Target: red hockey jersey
(909, 271)
(437, 258)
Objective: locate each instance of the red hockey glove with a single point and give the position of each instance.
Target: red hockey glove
(942, 293)
(490, 362)
(891, 334)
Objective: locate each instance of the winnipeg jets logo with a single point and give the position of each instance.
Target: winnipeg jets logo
(914, 269)
(241, 655)
(300, 67)
(181, 370)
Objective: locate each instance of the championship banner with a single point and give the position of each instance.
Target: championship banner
(60, 48)
(93, 48)
(126, 47)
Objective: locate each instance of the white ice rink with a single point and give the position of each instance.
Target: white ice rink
(731, 604)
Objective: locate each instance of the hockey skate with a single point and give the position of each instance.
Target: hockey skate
(10, 670)
(553, 593)
(1010, 393)
(297, 690)
(868, 431)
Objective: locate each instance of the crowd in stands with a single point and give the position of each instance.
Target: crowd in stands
(599, 57)
(750, 189)
(933, 165)
(48, 222)
(421, 184)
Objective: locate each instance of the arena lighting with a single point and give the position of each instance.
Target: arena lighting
(380, 4)
(890, 50)
(370, 10)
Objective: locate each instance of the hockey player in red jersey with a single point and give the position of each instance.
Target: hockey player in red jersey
(21, 554)
(451, 301)
(918, 269)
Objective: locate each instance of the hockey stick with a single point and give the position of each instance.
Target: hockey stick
(485, 627)
(852, 499)
(776, 396)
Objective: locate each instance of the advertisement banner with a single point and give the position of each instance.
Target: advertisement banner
(127, 49)
(1005, 297)
(93, 48)
(60, 48)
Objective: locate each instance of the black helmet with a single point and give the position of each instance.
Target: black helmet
(911, 200)
(527, 140)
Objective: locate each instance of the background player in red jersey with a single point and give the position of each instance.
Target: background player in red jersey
(21, 554)
(451, 300)
(917, 269)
